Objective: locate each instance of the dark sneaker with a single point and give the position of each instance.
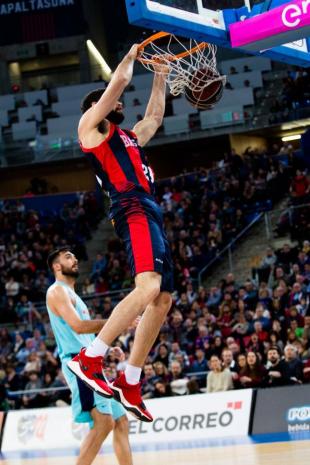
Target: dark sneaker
(129, 395)
(90, 371)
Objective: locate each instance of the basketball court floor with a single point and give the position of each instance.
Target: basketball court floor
(277, 453)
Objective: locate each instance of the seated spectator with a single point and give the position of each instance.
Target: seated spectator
(88, 287)
(219, 378)
(148, 381)
(228, 360)
(241, 362)
(262, 316)
(306, 371)
(162, 389)
(162, 354)
(254, 373)
(300, 187)
(99, 266)
(178, 380)
(273, 367)
(291, 366)
(33, 363)
(32, 400)
(161, 371)
(199, 366)
(176, 352)
(266, 265)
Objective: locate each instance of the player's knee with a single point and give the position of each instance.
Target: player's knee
(166, 300)
(121, 425)
(153, 290)
(150, 290)
(164, 303)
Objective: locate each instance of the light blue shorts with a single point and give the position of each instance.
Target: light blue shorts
(85, 399)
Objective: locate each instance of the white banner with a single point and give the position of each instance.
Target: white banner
(184, 418)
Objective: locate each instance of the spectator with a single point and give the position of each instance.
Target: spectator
(88, 287)
(161, 371)
(254, 373)
(300, 187)
(148, 381)
(32, 400)
(291, 366)
(162, 354)
(228, 361)
(178, 380)
(162, 389)
(266, 265)
(273, 366)
(199, 366)
(219, 378)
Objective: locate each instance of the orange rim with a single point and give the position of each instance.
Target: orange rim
(160, 35)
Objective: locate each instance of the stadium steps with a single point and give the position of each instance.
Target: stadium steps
(248, 253)
(97, 244)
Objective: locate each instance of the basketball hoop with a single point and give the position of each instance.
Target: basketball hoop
(183, 62)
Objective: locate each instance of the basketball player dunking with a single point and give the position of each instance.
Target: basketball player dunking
(120, 164)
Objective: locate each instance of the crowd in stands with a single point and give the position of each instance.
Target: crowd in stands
(26, 238)
(295, 94)
(250, 334)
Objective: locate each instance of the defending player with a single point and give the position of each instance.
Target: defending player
(122, 167)
(73, 329)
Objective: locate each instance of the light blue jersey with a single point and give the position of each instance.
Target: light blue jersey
(69, 343)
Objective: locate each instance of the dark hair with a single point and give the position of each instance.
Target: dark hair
(55, 254)
(276, 348)
(91, 97)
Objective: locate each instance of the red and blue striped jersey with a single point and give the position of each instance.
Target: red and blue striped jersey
(120, 164)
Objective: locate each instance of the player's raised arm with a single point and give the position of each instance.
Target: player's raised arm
(121, 78)
(147, 127)
(59, 302)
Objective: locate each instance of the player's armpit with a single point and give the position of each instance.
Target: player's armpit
(60, 303)
(145, 129)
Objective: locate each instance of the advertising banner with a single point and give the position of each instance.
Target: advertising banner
(282, 410)
(286, 23)
(177, 419)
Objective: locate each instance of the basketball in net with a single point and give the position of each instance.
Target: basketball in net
(204, 95)
(192, 67)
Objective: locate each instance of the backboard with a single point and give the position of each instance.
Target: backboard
(277, 29)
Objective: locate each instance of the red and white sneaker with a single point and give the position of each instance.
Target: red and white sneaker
(90, 371)
(129, 395)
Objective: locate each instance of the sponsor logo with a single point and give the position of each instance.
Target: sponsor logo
(298, 419)
(292, 14)
(299, 414)
(30, 427)
(194, 422)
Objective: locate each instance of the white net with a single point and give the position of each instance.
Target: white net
(183, 66)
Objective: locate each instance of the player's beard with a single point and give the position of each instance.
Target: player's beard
(115, 117)
(69, 272)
